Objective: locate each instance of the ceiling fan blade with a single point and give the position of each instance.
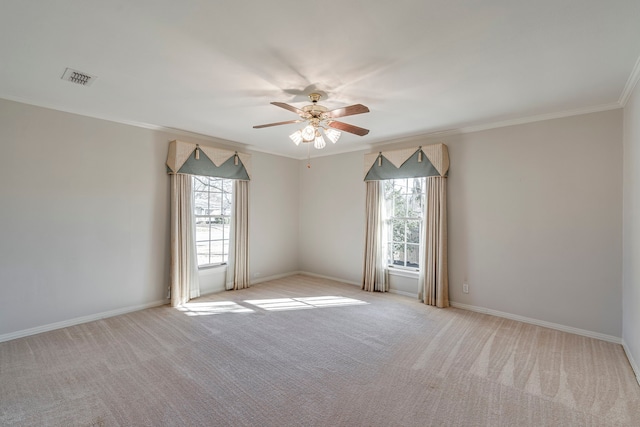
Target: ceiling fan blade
(288, 107)
(277, 124)
(348, 128)
(347, 111)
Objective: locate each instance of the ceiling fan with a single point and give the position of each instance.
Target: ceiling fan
(319, 117)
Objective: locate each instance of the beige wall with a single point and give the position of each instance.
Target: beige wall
(331, 210)
(84, 217)
(631, 263)
(273, 216)
(535, 219)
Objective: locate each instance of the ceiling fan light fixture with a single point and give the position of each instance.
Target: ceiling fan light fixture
(308, 133)
(332, 134)
(296, 137)
(319, 143)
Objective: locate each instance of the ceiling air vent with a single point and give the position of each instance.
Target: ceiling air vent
(78, 77)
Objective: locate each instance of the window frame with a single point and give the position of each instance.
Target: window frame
(210, 218)
(391, 219)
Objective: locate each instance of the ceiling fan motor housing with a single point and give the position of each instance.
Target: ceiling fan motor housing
(315, 97)
(315, 110)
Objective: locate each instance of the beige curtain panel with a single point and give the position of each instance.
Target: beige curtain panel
(434, 276)
(239, 253)
(184, 264)
(374, 277)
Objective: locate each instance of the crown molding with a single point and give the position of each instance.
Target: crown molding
(540, 117)
(496, 125)
(143, 125)
(416, 138)
(631, 84)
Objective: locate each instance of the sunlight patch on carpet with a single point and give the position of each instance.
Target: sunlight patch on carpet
(212, 307)
(304, 303)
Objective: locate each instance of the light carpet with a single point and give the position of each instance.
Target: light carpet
(303, 351)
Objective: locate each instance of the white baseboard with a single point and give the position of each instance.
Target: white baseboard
(257, 280)
(78, 320)
(335, 279)
(550, 325)
(632, 361)
(213, 290)
(403, 293)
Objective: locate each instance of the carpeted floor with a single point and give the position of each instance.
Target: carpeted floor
(304, 351)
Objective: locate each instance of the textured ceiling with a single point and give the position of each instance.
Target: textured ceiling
(421, 67)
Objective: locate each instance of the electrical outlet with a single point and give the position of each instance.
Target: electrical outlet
(465, 288)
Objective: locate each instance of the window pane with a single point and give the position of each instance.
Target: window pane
(226, 230)
(415, 199)
(201, 202)
(199, 183)
(413, 231)
(217, 248)
(398, 230)
(215, 203)
(202, 229)
(202, 249)
(400, 186)
(227, 200)
(216, 228)
(389, 253)
(227, 185)
(413, 255)
(216, 259)
(398, 254)
(399, 205)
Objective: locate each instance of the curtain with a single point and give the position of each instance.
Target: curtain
(238, 264)
(374, 276)
(184, 263)
(434, 276)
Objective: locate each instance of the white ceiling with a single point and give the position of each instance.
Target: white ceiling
(422, 66)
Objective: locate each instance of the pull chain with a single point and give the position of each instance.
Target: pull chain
(308, 155)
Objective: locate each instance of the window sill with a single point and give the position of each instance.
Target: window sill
(212, 267)
(411, 274)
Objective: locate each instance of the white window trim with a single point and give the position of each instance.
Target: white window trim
(403, 272)
(410, 271)
(212, 266)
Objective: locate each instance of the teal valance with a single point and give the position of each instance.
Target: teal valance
(193, 159)
(428, 160)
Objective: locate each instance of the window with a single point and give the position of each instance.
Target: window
(212, 203)
(404, 210)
